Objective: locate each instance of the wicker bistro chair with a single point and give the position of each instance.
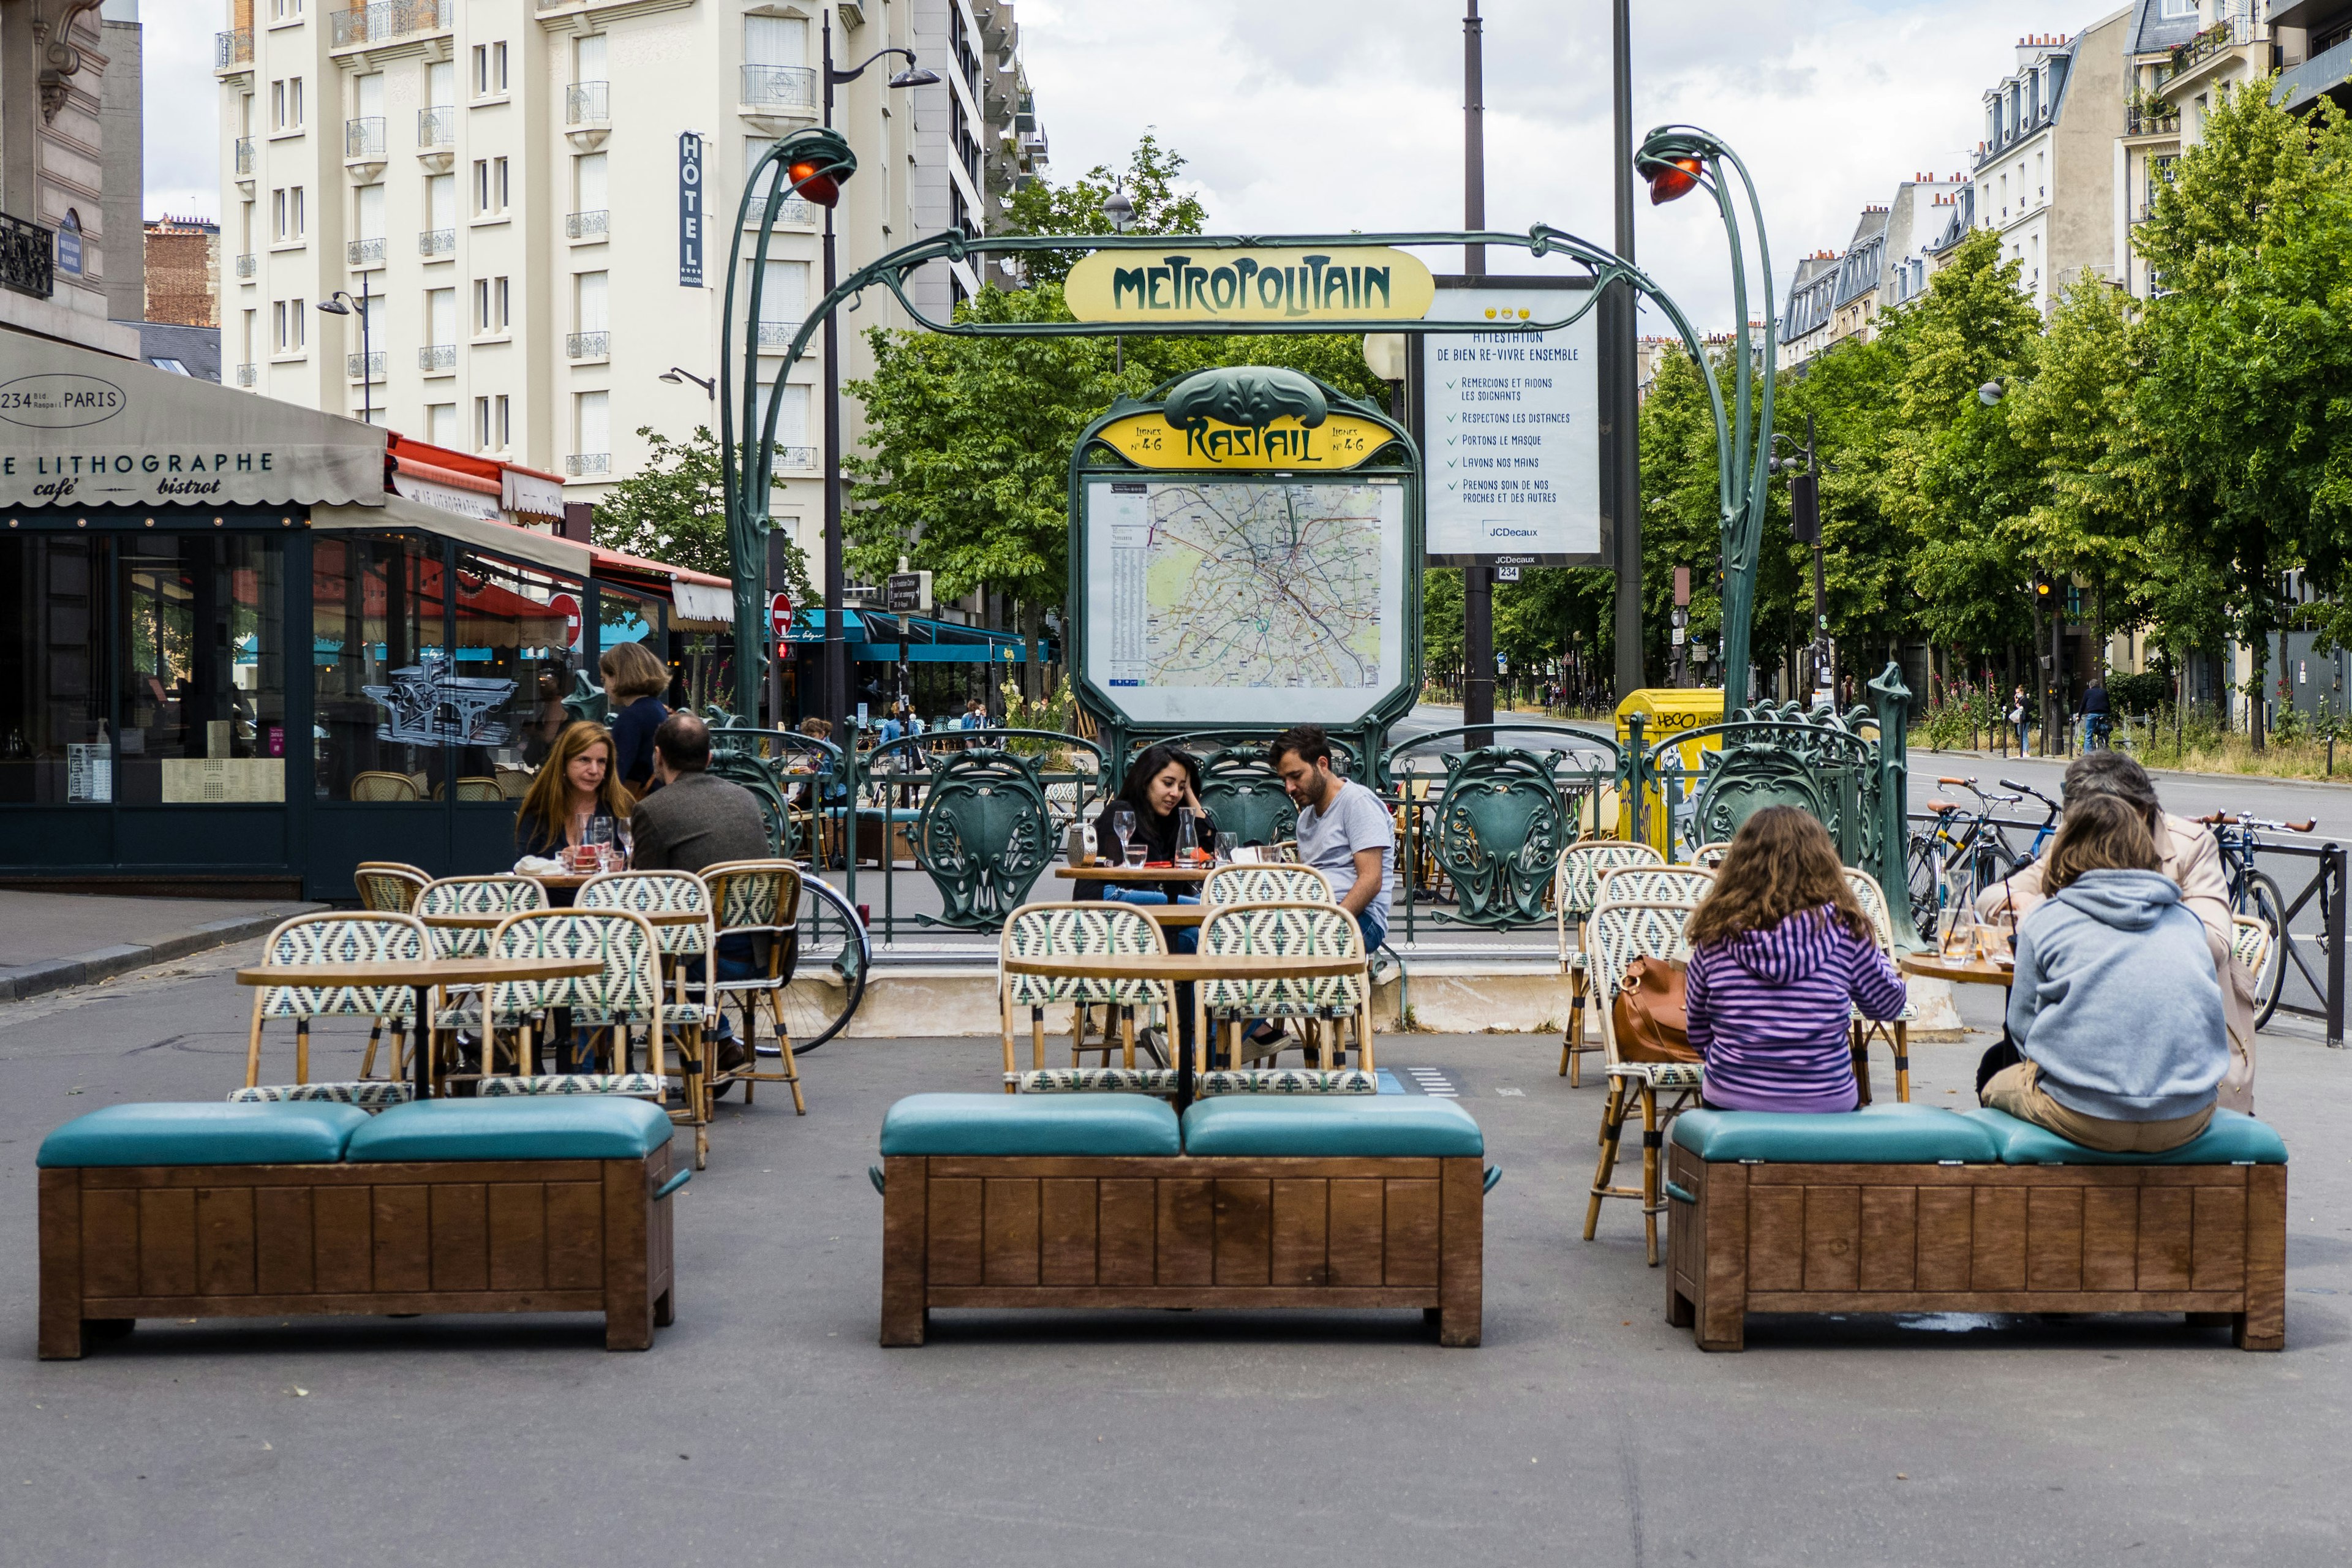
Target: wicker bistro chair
(625, 994)
(2249, 944)
(377, 786)
(1617, 934)
(389, 886)
(1266, 884)
(1654, 885)
(1711, 855)
(375, 938)
(677, 904)
(1297, 930)
(460, 913)
(758, 897)
(1575, 887)
(1079, 931)
(1895, 1031)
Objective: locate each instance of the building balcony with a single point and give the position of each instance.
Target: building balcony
(233, 48)
(778, 334)
(2321, 73)
(387, 20)
(367, 365)
(790, 90)
(437, 242)
(247, 265)
(363, 139)
(797, 457)
(587, 228)
(438, 359)
(246, 374)
(588, 346)
(364, 254)
(793, 210)
(27, 257)
(588, 465)
(437, 137)
(2226, 33)
(2138, 122)
(587, 103)
(245, 157)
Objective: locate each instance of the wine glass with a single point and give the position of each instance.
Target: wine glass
(1121, 822)
(597, 838)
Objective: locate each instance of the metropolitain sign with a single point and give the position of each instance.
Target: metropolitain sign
(1266, 284)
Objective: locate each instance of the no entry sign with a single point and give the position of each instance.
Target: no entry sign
(567, 606)
(779, 616)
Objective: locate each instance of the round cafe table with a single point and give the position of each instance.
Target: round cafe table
(1134, 874)
(425, 974)
(1969, 971)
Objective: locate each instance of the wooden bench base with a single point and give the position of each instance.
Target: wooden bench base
(248, 1241)
(1143, 1232)
(2201, 1240)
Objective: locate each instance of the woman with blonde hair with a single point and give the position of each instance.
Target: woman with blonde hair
(574, 786)
(1780, 955)
(634, 683)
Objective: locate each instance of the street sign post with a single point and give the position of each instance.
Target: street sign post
(908, 592)
(567, 606)
(780, 619)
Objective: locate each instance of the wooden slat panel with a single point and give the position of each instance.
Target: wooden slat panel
(109, 1242)
(282, 1260)
(1357, 1226)
(1413, 1231)
(517, 1243)
(2164, 1237)
(1127, 1245)
(224, 1241)
(1997, 1258)
(366, 1174)
(1463, 1264)
(1188, 1232)
(1203, 1168)
(369, 1304)
(1722, 1309)
(575, 1236)
(1067, 1247)
(461, 1237)
(342, 1221)
(1996, 1302)
(628, 1263)
(2262, 1325)
(2053, 1238)
(1947, 1237)
(1244, 1233)
(1301, 1242)
(1245, 1297)
(60, 1261)
(1009, 1232)
(2110, 1239)
(954, 1223)
(1890, 1239)
(1775, 1237)
(404, 1238)
(1832, 1237)
(167, 1243)
(905, 1197)
(2217, 1258)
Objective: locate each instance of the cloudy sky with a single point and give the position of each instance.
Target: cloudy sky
(1303, 115)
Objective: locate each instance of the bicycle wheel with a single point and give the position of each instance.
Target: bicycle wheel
(1919, 870)
(825, 964)
(2265, 901)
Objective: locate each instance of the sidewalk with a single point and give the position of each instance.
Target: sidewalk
(48, 941)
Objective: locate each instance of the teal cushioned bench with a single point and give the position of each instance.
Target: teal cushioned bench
(571, 1127)
(2230, 1139)
(203, 1133)
(1877, 1135)
(1384, 1126)
(1101, 1124)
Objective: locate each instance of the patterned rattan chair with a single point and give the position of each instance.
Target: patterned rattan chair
(1654, 885)
(1895, 1031)
(624, 994)
(1266, 885)
(1711, 855)
(1575, 884)
(1617, 934)
(1094, 929)
(376, 938)
(481, 787)
(1320, 1003)
(759, 898)
(389, 886)
(460, 913)
(677, 904)
(2249, 944)
(377, 786)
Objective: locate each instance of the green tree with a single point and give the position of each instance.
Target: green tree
(674, 511)
(1149, 181)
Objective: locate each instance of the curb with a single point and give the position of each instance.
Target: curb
(89, 968)
(2342, 783)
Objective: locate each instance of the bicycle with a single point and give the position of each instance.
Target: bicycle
(2253, 891)
(825, 964)
(1970, 841)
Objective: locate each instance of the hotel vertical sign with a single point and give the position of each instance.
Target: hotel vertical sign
(689, 210)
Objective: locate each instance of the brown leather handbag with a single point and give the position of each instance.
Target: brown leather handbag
(1650, 1018)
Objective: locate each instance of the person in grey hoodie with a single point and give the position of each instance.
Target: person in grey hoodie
(2115, 1006)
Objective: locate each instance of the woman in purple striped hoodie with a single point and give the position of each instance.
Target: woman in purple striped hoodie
(1780, 953)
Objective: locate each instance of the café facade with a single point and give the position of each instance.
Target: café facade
(246, 645)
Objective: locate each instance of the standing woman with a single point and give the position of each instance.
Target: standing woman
(634, 683)
(575, 785)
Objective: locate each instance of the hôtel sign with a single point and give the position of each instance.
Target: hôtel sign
(1268, 284)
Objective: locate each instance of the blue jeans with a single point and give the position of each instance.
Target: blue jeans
(1180, 939)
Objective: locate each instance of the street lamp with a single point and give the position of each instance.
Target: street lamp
(1989, 394)
(341, 304)
(678, 377)
(1121, 212)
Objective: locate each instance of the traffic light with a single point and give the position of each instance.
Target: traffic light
(1805, 508)
(818, 163)
(2044, 592)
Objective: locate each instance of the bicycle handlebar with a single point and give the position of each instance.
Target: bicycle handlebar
(2239, 819)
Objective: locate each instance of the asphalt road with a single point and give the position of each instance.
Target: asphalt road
(766, 1426)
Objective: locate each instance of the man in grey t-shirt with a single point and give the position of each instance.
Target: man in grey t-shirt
(1344, 831)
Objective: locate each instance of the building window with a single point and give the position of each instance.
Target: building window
(53, 675)
(783, 302)
(490, 186)
(199, 657)
(490, 69)
(286, 104)
(593, 424)
(290, 326)
(441, 424)
(492, 297)
(491, 431)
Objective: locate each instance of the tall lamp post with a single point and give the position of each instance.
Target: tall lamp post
(341, 303)
(1676, 160)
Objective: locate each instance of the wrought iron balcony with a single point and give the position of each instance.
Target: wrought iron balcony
(791, 209)
(388, 19)
(244, 157)
(780, 87)
(434, 358)
(583, 464)
(437, 126)
(2228, 33)
(370, 365)
(588, 345)
(247, 265)
(364, 137)
(587, 226)
(2138, 122)
(233, 48)
(437, 242)
(777, 334)
(796, 456)
(27, 257)
(246, 374)
(585, 103)
(363, 253)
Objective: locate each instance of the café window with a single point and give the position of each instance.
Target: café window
(53, 694)
(514, 667)
(380, 659)
(201, 653)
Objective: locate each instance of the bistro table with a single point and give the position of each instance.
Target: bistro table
(1961, 971)
(1178, 968)
(1103, 871)
(425, 974)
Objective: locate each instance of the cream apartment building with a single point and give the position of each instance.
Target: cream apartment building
(2045, 175)
(2182, 57)
(520, 191)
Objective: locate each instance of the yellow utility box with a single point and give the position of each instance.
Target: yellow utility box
(1667, 711)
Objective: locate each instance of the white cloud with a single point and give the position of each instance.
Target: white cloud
(182, 109)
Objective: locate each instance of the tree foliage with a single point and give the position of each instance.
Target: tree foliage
(1149, 181)
(674, 510)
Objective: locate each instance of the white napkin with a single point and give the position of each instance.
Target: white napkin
(534, 865)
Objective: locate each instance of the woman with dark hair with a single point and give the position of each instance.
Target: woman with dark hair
(1161, 785)
(634, 683)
